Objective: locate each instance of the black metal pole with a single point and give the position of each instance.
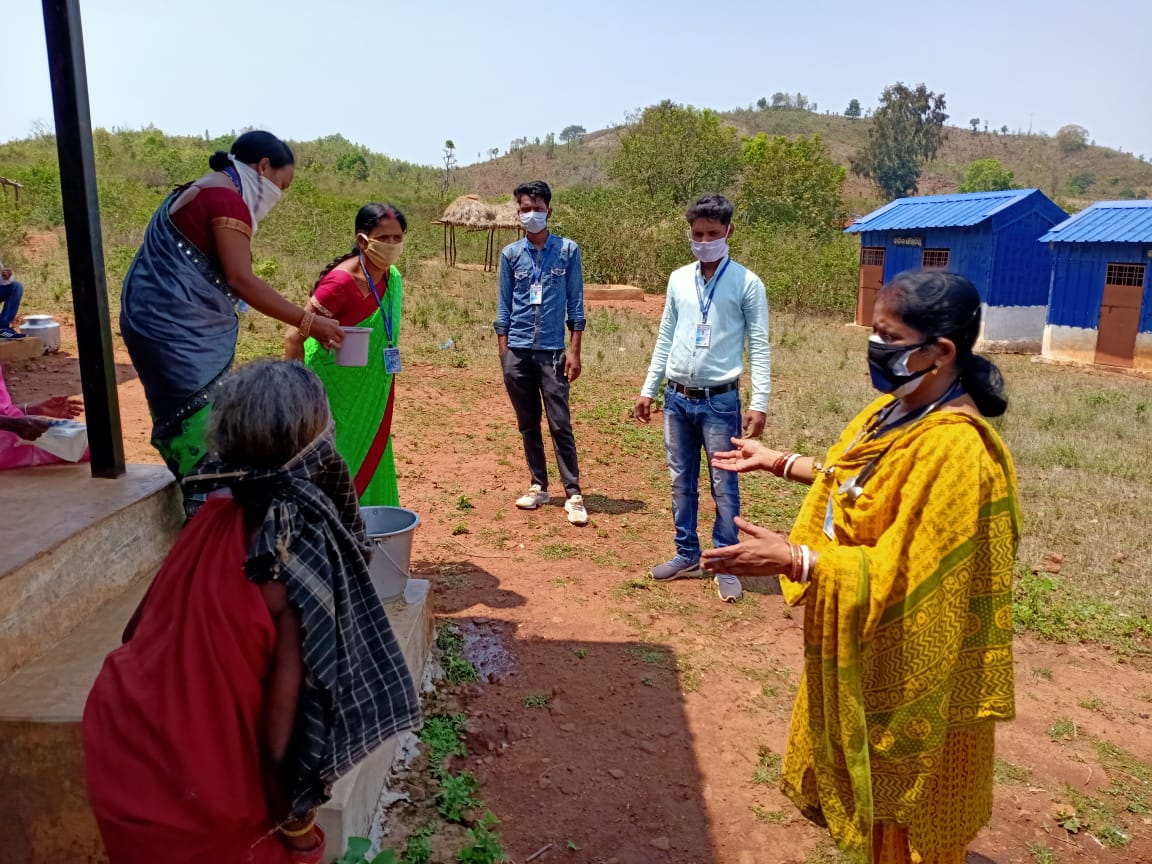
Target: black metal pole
(82, 223)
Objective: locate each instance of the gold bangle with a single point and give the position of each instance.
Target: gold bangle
(305, 327)
(294, 833)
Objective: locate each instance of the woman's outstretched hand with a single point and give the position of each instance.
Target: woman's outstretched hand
(749, 455)
(765, 553)
(57, 406)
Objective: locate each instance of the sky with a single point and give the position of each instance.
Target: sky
(403, 78)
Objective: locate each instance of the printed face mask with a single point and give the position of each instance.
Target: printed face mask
(534, 222)
(382, 255)
(888, 365)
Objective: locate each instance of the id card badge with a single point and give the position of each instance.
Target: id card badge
(829, 525)
(392, 360)
(536, 294)
(703, 335)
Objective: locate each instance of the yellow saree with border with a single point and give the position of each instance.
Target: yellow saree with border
(907, 637)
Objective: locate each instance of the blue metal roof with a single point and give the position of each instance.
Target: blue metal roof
(1106, 222)
(938, 211)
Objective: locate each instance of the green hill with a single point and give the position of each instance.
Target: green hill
(1036, 160)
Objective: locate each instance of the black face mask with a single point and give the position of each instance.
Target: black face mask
(888, 364)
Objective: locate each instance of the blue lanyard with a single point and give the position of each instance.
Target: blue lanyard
(538, 267)
(706, 304)
(385, 316)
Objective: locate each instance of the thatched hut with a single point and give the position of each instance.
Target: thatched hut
(474, 214)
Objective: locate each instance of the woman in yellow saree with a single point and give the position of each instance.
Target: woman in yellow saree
(902, 556)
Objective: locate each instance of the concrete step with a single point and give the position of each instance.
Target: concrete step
(73, 543)
(42, 788)
(15, 350)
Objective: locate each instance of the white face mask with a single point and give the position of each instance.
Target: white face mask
(259, 193)
(707, 251)
(534, 222)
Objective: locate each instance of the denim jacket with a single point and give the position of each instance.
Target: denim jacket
(540, 327)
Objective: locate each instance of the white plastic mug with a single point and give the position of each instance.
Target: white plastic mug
(353, 351)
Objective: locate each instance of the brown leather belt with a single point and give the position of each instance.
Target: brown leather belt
(703, 392)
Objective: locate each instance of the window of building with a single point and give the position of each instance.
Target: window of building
(1129, 275)
(934, 259)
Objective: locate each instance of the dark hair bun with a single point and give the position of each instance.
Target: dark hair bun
(219, 160)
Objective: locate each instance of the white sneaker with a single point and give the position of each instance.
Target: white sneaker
(577, 514)
(533, 498)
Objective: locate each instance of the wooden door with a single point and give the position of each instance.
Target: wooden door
(871, 280)
(1120, 314)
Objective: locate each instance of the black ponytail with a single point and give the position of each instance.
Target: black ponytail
(940, 305)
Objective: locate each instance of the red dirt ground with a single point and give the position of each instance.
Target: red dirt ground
(659, 698)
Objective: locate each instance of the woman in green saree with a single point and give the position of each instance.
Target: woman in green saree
(362, 289)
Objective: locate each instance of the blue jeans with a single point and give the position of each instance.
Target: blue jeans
(10, 297)
(691, 424)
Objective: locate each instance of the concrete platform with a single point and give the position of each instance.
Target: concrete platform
(613, 292)
(42, 789)
(354, 798)
(15, 350)
(73, 543)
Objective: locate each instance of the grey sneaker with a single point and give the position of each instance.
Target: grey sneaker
(577, 512)
(533, 498)
(677, 568)
(728, 587)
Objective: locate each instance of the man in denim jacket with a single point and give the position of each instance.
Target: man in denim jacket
(541, 291)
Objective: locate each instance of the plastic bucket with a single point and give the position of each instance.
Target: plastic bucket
(353, 351)
(390, 531)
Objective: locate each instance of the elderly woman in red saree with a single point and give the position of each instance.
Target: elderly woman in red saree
(260, 666)
(902, 556)
(363, 289)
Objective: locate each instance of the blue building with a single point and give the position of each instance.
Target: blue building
(1100, 309)
(990, 237)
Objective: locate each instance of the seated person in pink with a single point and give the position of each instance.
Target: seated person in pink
(29, 424)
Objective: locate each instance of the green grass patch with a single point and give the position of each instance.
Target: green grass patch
(1006, 774)
(443, 736)
(767, 770)
(1062, 729)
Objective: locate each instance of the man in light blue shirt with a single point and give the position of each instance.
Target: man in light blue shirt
(712, 308)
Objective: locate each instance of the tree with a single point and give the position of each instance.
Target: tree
(573, 134)
(354, 164)
(781, 100)
(494, 152)
(790, 182)
(1081, 183)
(1004, 129)
(801, 103)
(853, 110)
(907, 131)
(549, 146)
(676, 152)
(762, 103)
(975, 124)
(449, 167)
(1071, 138)
(986, 175)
